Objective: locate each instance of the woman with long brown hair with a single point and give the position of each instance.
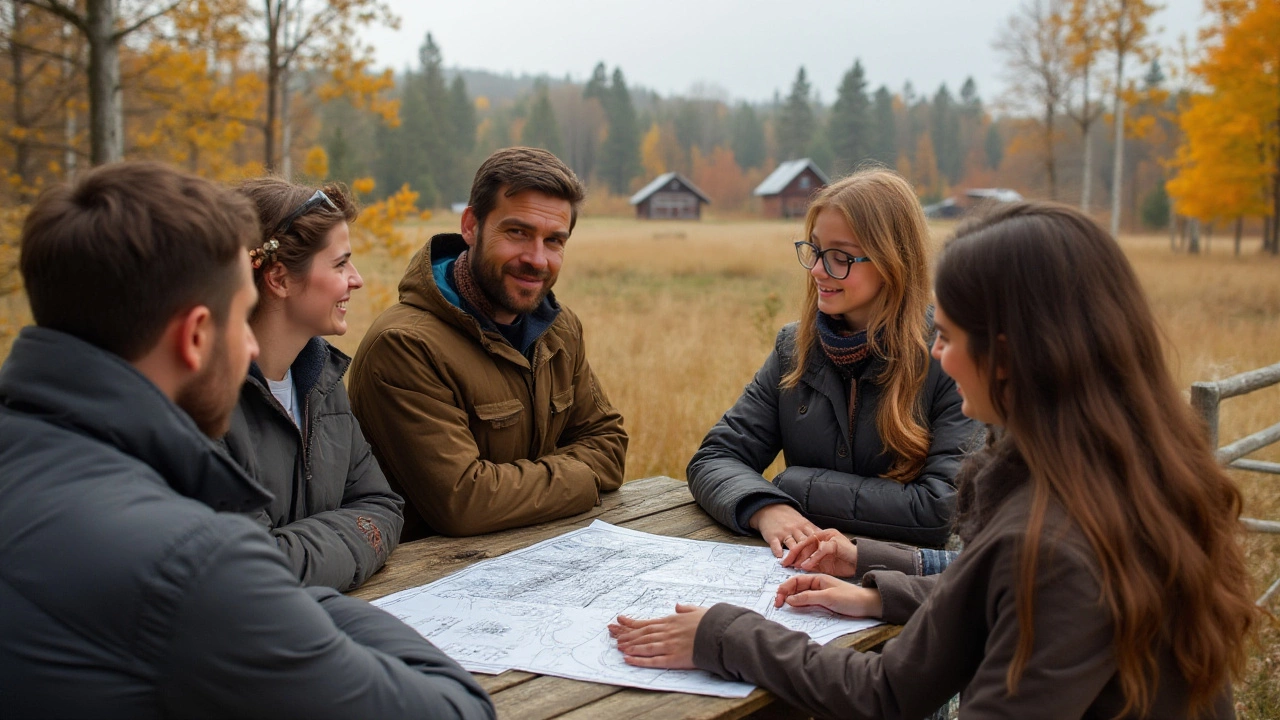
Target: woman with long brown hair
(870, 426)
(1102, 574)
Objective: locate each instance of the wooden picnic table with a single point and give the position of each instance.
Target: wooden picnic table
(658, 505)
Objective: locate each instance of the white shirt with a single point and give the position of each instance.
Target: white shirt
(284, 394)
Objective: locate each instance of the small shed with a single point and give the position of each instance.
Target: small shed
(788, 189)
(669, 197)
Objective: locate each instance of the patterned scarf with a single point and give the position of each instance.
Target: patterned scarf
(468, 288)
(845, 351)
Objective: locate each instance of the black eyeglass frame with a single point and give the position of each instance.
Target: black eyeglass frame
(823, 255)
(317, 199)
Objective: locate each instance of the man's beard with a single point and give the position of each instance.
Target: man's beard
(490, 278)
(211, 396)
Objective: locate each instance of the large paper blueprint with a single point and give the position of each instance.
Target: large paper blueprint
(544, 609)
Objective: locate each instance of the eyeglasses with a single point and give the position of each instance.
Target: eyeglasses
(836, 262)
(319, 198)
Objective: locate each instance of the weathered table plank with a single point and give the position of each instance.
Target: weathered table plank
(658, 505)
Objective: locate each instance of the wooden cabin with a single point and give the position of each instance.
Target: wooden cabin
(789, 188)
(669, 196)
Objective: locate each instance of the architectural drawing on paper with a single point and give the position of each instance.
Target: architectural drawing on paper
(545, 608)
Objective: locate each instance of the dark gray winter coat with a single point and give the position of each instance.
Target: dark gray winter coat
(333, 514)
(131, 587)
(835, 473)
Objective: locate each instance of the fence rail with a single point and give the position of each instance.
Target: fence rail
(1206, 398)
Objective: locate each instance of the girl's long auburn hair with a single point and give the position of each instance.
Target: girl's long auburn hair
(1047, 296)
(885, 217)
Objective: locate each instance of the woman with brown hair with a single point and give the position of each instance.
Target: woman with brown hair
(334, 516)
(1102, 574)
(870, 427)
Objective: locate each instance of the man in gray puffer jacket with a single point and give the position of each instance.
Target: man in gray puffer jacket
(129, 586)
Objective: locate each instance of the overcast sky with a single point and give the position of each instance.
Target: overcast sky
(749, 48)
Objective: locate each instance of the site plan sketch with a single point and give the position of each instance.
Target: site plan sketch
(544, 609)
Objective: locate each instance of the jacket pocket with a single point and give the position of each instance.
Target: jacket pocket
(500, 414)
(562, 401)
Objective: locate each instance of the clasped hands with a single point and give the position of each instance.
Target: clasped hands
(668, 642)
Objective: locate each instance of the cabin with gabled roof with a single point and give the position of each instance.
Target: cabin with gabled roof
(789, 188)
(669, 196)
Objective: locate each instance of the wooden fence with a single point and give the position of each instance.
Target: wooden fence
(1205, 398)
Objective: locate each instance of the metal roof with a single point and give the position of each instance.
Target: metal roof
(662, 180)
(785, 173)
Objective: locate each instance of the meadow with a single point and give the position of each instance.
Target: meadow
(680, 315)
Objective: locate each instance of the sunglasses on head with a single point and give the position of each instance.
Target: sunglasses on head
(319, 198)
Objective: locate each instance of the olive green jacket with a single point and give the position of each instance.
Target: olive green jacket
(474, 435)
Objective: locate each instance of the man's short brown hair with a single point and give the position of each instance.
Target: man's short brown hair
(516, 169)
(113, 257)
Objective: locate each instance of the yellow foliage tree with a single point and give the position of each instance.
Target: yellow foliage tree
(379, 224)
(195, 114)
(1229, 162)
(316, 164)
(660, 151)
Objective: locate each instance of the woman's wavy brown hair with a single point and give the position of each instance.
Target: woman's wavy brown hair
(885, 217)
(1047, 296)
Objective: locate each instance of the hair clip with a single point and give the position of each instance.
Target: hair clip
(266, 253)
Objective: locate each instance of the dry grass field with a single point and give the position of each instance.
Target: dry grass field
(680, 315)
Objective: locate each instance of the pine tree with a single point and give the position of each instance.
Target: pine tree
(542, 130)
(462, 114)
(620, 156)
(747, 137)
(598, 86)
(849, 128)
(945, 133)
(994, 147)
(884, 143)
(796, 124)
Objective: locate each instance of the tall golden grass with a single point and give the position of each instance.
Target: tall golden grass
(680, 315)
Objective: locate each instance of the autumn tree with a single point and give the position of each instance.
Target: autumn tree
(36, 90)
(796, 122)
(198, 94)
(1228, 164)
(719, 176)
(849, 127)
(1033, 44)
(104, 28)
(660, 151)
(1125, 36)
(1084, 45)
(300, 37)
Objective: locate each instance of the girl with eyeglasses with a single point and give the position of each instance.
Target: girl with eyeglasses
(1103, 574)
(334, 516)
(870, 426)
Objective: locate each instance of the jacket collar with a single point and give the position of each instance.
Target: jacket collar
(71, 384)
(420, 288)
(319, 365)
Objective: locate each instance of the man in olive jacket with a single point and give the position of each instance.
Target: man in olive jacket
(474, 390)
(130, 585)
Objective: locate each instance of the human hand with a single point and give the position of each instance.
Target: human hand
(830, 593)
(826, 551)
(661, 643)
(781, 526)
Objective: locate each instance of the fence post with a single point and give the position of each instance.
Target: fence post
(1204, 400)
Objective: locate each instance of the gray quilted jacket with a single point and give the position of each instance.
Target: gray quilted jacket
(835, 471)
(131, 585)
